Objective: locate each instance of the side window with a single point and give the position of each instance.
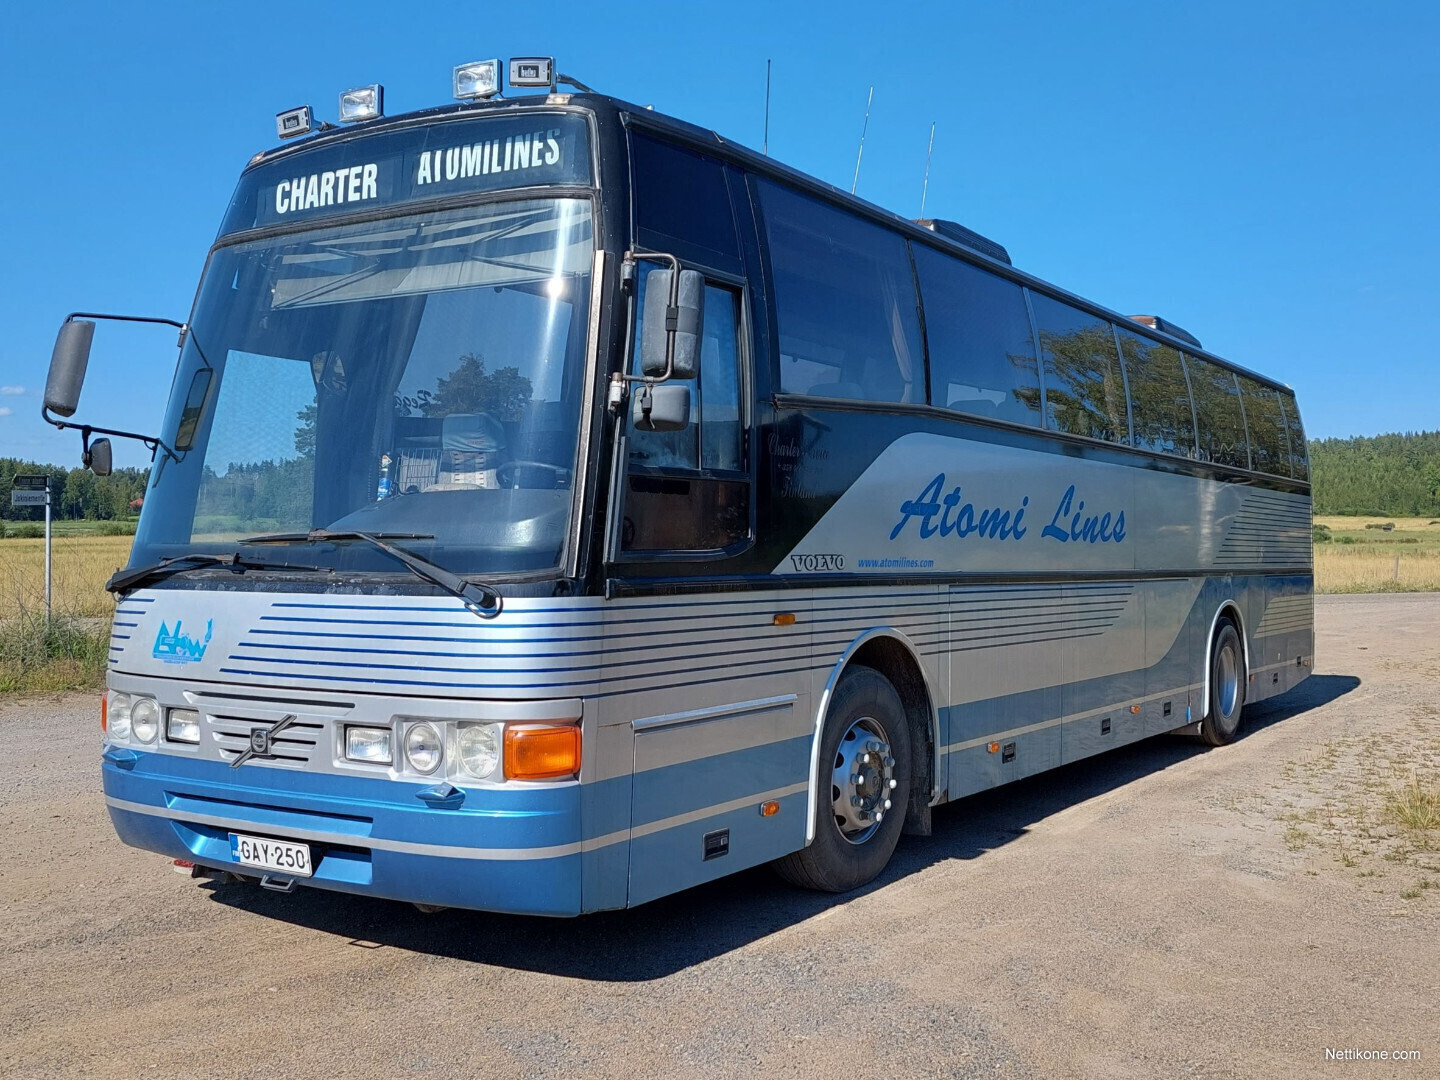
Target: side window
(686, 490)
(1269, 449)
(1159, 398)
(1217, 409)
(845, 302)
(1299, 452)
(1084, 390)
(681, 203)
(982, 353)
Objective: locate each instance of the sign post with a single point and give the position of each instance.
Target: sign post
(34, 490)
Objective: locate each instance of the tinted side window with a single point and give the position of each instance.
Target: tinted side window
(1299, 452)
(1159, 398)
(1217, 409)
(1084, 390)
(681, 201)
(982, 354)
(845, 302)
(1269, 451)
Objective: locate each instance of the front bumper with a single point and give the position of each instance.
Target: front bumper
(512, 850)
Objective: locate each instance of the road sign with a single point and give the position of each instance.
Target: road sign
(33, 489)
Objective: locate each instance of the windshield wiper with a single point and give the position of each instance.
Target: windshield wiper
(484, 600)
(195, 560)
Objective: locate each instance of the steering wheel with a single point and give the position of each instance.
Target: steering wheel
(505, 472)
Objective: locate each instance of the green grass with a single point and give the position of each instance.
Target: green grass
(68, 653)
(1416, 807)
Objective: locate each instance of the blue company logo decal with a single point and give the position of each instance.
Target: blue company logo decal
(961, 519)
(181, 648)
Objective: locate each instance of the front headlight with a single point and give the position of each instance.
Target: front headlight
(479, 748)
(117, 718)
(145, 719)
(423, 748)
(183, 726)
(368, 744)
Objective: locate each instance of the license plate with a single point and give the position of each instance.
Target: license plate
(281, 856)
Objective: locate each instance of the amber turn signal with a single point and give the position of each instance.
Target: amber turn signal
(785, 618)
(541, 752)
(104, 711)
(769, 809)
(993, 748)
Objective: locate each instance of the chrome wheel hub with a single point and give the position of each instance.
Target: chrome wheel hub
(1229, 682)
(863, 779)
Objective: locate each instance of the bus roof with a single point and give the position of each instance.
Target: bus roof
(632, 115)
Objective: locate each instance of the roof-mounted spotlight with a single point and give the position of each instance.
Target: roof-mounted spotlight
(532, 71)
(362, 103)
(478, 80)
(297, 121)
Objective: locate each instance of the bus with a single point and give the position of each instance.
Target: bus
(559, 505)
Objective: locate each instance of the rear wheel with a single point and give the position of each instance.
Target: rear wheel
(1227, 687)
(864, 786)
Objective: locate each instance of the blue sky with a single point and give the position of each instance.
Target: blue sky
(1263, 174)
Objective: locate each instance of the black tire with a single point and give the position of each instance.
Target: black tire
(847, 852)
(1227, 687)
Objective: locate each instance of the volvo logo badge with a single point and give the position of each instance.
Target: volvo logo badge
(262, 740)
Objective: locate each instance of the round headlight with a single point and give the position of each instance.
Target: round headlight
(117, 715)
(423, 749)
(479, 746)
(145, 719)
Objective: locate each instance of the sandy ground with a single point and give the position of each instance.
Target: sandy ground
(1155, 912)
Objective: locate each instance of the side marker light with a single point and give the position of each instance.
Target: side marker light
(769, 809)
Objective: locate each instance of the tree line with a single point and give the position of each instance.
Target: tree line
(1384, 475)
(75, 494)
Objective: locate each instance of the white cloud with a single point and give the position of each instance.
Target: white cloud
(4, 411)
(12, 391)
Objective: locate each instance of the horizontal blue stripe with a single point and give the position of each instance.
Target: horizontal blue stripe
(788, 643)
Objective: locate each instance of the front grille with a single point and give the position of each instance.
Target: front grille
(296, 745)
(230, 718)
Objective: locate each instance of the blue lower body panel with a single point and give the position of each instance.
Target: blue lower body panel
(514, 851)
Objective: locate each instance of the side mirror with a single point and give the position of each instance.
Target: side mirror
(98, 457)
(661, 408)
(67, 366)
(687, 325)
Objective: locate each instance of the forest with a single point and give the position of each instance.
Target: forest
(1385, 475)
(75, 494)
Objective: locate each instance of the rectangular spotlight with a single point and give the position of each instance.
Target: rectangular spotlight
(296, 121)
(362, 103)
(532, 71)
(477, 80)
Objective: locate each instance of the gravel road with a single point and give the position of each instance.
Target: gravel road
(1160, 911)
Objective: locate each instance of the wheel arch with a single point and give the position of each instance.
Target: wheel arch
(894, 655)
(1228, 609)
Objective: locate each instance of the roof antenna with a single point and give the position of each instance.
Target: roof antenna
(765, 146)
(925, 189)
(860, 153)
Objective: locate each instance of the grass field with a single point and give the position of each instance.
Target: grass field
(1361, 559)
(71, 653)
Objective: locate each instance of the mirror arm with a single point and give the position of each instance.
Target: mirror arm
(129, 318)
(672, 317)
(152, 442)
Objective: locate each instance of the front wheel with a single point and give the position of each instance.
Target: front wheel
(864, 787)
(1227, 687)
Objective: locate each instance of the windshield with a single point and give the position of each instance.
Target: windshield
(419, 375)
